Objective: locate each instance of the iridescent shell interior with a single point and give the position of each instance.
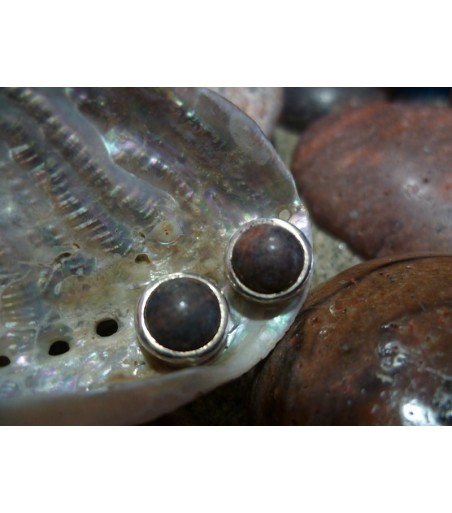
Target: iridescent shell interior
(102, 192)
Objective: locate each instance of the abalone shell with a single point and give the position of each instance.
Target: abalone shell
(262, 104)
(104, 191)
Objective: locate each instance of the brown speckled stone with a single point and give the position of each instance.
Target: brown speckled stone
(380, 177)
(263, 104)
(372, 346)
(267, 259)
(182, 314)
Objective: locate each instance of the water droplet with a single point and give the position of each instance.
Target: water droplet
(415, 413)
(390, 326)
(392, 355)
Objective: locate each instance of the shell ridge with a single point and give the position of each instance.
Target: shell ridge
(109, 182)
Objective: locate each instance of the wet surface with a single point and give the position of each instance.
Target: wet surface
(372, 346)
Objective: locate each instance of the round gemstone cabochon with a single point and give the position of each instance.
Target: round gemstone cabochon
(182, 314)
(267, 259)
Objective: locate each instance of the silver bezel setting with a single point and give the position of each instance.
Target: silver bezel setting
(181, 358)
(296, 288)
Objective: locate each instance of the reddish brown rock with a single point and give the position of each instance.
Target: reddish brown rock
(373, 346)
(380, 177)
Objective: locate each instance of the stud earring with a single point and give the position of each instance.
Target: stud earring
(268, 260)
(181, 319)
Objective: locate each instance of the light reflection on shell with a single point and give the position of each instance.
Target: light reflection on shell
(102, 192)
(262, 104)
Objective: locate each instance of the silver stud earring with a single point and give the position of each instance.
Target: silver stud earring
(182, 319)
(268, 260)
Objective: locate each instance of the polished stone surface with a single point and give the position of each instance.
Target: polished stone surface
(304, 105)
(182, 314)
(267, 259)
(379, 177)
(373, 346)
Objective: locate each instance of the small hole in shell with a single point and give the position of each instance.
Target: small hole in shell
(142, 258)
(62, 256)
(107, 327)
(59, 347)
(4, 361)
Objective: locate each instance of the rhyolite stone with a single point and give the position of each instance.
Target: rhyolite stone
(267, 259)
(182, 314)
(303, 105)
(372, 346)
(263, 104)
(380, 177)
